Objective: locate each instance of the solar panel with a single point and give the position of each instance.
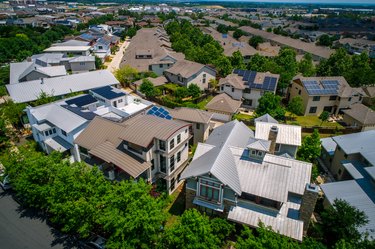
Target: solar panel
(159, 112)
(235, 71)
(241, 72)
(252, 76)
(246, 75)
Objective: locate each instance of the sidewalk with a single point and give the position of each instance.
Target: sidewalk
(116, 60)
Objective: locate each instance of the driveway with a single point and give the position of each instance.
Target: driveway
(25, 228)
(116, 60)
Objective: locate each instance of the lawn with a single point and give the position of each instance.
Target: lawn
(242, 116)
(171, 86)
(310, 121)
(176, 206)
(202, 105)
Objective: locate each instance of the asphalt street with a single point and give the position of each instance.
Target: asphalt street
(25, 228)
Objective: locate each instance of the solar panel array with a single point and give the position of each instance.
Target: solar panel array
(159, 112)
(269, 83)
(327, 87)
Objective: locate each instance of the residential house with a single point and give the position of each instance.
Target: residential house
(76, 64)
(145, 146)
(102, 48)
(369, 99)
(331, 94)
(223, 107)
(266, 118)
(69, 50)
(28, 71)
(200, 120)
(357, 46)
(236, 176)
(184, 73)
(248, 86)
(150, 50)
(360, 116)
(351, 159)
(59, 86)
(56, 125)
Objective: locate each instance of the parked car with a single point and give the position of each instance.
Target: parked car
(5, 184)
(96, 242)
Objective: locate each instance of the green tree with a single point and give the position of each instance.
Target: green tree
(43, 98)
(306, 66)
(255, 41)
(288, 67)
(98, 63)
(126, 75)
(341, 222)
(148, 89)
(237, 60)
(310, 148)
(12, 112)
(295, 106)
(181, 92)
(325, 40)
(194, 230)
(223, 66)
(324, 116)
(194, 90)
(271, 104)
(238, 33)
(131, 32)
(213, 83)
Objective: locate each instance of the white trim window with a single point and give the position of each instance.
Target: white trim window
(210, 190)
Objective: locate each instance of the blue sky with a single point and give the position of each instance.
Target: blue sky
(318, 1)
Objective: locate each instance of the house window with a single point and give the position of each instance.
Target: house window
(152, 165)
(173, 183)
(332, 97)
(82, 63)
(327, 109)
(54, 130)
(162, 145)
(247, 90)
(63, 132)
(350, 99)
(299, 92)
(163, 164)
(161, 65)
(171, 163)
(178, 156)
(277, 147)
(171, 144)
(178, 138)
(135, 148)
(185, 130)
(178, 177)
(222, 88)
(316, 98)
(84, 151)
(209, 190)
(232, 89)
(119, 101)
(312, 109)
(180, 78)
(204, 80)
(197, 126)
(248, 102)
(360, 98)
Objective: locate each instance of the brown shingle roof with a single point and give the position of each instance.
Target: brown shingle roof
(361, 113)
(109, 153)
(223, 103)
(185, 68)
(191, 115)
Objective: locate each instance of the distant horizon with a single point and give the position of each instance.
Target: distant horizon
(328, 2)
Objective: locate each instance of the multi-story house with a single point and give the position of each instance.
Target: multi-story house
(185, 72)
(56, 125)
(237, 176)
(331, 94)
(351, 160)
(200, 120)
(248, 86)
(144, 146)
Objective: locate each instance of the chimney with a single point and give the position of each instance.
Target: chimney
(272, 137)
(309, 198)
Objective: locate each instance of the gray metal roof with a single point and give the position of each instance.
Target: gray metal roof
(57, 86)
(287, 134)
(362, 142)
(356, 195)
(266, 118)
(191, 115)
(329, 145)
(218, 160)
(16, 69)
(58, 144)
(259, 144)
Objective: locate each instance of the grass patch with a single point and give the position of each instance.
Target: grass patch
(202, 105)
(171, 86)
(242, 116)
(310, 121)
(176, 206)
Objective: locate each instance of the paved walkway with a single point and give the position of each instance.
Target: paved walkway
(116, 60)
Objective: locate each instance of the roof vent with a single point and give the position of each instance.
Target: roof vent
(42, 81)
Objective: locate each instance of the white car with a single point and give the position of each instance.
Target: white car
(5, 184)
